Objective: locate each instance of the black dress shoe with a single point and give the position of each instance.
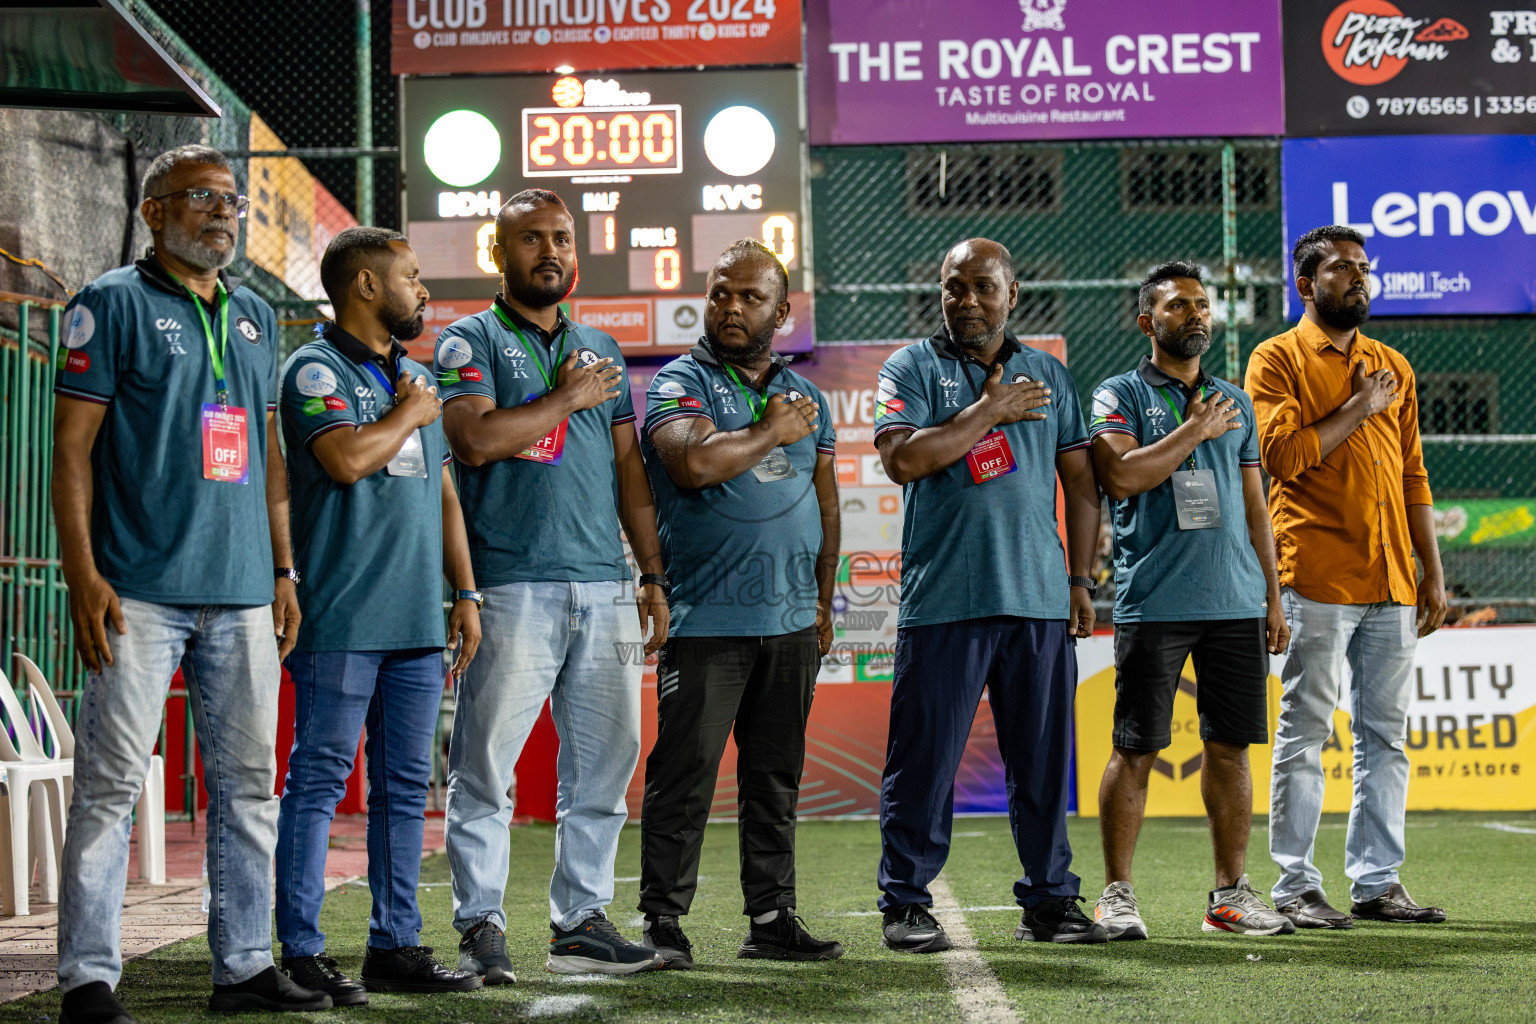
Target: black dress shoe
(412, 969)
(93, 1003)
(1311, 910)
(785, 938)
(320, 974)
(1396, 905)
(1058, 919)
(271, 991)
(910, 928)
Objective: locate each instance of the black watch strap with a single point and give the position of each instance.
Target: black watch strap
(648, 579)
(1086, 582)
(287, 573)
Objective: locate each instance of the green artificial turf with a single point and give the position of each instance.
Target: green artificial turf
(1479, 966)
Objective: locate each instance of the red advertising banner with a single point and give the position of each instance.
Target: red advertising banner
(433, 37)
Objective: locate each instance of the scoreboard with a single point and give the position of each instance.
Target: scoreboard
(662, 170)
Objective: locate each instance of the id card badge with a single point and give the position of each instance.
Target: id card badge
(226, 454)
(774, 466)
(1194, 497)
(548, 448)
(992, 457)
(410, 460)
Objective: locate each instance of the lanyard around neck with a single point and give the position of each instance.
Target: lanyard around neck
(378, 375)
(549, 381)
(1177, 418)
(756, 404)
(216, 353)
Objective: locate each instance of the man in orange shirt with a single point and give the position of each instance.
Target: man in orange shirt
(1338, 425)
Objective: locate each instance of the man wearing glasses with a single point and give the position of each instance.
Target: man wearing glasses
(171, 537)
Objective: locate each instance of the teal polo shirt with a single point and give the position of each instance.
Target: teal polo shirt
(969, 550)
(1163, 573)
(741, 555)
(160, 529)
(370, 554)
(528, 521)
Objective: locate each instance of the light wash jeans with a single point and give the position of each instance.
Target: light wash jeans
(578, 644)
(228, 659)
(1377, 640)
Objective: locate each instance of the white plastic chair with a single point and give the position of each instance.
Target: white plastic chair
(151, 806)
(26, 766)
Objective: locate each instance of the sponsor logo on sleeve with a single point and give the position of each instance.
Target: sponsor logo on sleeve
(469, 373)
(77, 362)
(313, 406)
(315, 380)
(887, 389)
(1104, 403)
(335, 402)
(672, 389)
(82, 325)
(453, 353)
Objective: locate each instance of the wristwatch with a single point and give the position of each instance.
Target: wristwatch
(288, 574)
(658, 579)
(1086, 582)
(470, 595)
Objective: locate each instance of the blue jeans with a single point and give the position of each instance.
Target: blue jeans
(1377, 641)
(578, 644)
(228, 659)
(396, 694)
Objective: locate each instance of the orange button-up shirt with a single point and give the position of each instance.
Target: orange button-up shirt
(1341, 522)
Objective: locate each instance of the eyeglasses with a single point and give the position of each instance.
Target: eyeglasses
(205, 200)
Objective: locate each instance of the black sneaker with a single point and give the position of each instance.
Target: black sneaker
(483, 951)
(1058, 919)
(785, 938)
(93, 1003)
(412, 969)
(271, 990)
(911, 929)
(664, 934)
(594, 946)
(320, 974)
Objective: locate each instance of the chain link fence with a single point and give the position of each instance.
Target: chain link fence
(1085, 221)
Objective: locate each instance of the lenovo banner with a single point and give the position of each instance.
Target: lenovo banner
(1449, 222)
(980, 70)
(1370, 67)
(433, 37)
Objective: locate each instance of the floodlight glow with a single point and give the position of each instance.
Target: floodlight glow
(739, 141)
(462, 148)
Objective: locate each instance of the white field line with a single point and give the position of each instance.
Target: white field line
(978, 994)
(1501, 826)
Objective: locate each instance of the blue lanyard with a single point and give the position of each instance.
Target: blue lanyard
(378, 375)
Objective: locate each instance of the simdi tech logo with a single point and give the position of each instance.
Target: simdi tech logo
(1367, 42)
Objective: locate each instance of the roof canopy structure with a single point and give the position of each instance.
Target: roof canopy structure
(90, 55)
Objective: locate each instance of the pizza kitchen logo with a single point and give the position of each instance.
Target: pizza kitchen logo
(1367, 42)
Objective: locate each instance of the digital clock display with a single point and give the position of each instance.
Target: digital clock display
(661, 170)
(558, 143)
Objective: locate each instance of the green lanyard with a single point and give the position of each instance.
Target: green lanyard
(1178, 418)
(548, 380)
(215, 353)
(757, 405)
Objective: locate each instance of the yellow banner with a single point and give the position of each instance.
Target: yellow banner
(1471, 740)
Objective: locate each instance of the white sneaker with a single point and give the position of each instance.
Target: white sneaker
(1117, 912)
(1241, 910)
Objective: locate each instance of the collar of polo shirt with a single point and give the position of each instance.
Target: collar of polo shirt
(1155, 377)
(354, 349)
(158, 276)
(945, 346)
(562, 322)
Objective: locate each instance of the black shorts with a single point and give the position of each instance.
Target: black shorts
(1231, 666)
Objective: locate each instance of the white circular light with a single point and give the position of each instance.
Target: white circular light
(739, 141)
(462, 148)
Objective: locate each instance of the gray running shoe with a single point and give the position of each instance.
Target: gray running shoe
(1240, 909)
(1118, 913)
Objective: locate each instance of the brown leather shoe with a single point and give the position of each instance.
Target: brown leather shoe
(1311, 910)
(1396, 905)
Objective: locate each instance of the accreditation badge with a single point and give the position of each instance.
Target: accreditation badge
(992, 457)
(410, 460)
(1194, 498)
(774, 466)
(226, 456)
(548, 448)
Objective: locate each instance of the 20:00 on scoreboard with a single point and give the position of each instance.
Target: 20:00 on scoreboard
(661, 170)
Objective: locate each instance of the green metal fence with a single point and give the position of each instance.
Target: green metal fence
(34, 605)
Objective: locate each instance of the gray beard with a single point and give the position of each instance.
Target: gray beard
(193, 251)
(976, 341)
